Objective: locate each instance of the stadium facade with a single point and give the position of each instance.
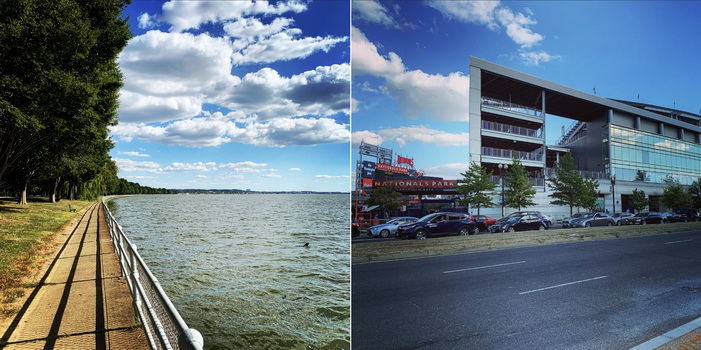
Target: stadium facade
(607, 137)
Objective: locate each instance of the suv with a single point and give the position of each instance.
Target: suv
(439, 224)
(647, 218)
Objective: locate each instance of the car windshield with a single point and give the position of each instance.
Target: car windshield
(577, 216)
(513, 218)
(395, 221)
(428, 217)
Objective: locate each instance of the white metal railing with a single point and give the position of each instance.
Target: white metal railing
(512, 129)
(550, 172)
(513, 107)
(164, 327)
(536, 155)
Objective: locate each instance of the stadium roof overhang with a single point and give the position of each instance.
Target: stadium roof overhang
(513, 86)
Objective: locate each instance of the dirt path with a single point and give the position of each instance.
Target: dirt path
(81, 302)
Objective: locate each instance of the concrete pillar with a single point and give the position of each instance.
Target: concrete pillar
(610, 116)
(475, 111)
(637, 123)
(680, 134)
(660, 128)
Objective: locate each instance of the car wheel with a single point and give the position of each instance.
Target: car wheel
(643, 222)
(464, 231)
(609, 223)
(661, 221)
(511, 229)
(384, 233)
(619, 223)
(476, 230)
(588, 224)
(421, 234)
(541, 228)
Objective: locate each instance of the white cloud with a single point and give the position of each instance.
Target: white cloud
(294, 169)
(478, 12)
(332, 176)
(495, 16)
(147, 21)
(185, 15)
(133, 154)
(271, 175)
(367, 136)
(139, 177)
(366, 59)
(448, 171)
(425, 135)
(201, 176)
(198, 132)
(247, 164)
(128, 165)
(535, 58)
(199, 166)
(438, 97)
(372, 11)
(284, 46)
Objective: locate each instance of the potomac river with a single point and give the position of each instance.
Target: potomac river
(237, 271)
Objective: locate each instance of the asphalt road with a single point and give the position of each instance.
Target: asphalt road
(610, 294)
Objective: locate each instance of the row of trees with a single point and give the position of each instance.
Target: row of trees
(59, 85)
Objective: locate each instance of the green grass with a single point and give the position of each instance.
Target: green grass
(24, 231)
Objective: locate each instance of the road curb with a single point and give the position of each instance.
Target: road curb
(671, 336)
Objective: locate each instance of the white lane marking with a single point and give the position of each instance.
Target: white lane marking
(562, 285)
(674, 242)
(485, 267)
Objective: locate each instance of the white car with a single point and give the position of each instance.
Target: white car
(390, 228)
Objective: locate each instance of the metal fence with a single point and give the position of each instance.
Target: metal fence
(164, 327)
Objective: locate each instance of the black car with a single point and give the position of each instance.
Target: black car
(439, 224)
(651, 217)
(519, 223)
(687, 214)
(519, 214)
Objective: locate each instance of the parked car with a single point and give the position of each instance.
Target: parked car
(566, 222)
(670, 217)
(688, 214)
(484, 221)
(390, 227)
(519, 223)
(622, 218)
(438, 224)
(546, 219)
(651, 217)
(592, 219)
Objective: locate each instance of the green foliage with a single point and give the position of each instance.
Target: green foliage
(674, 197)
(386, 197)
(59, 87)
(695, 192)
(571, 189)
(477, 187)
(641, 176)
(520, 192)
(638, 201)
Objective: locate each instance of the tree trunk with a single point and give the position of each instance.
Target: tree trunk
(55, 197)
(71, 191)
(23, 192)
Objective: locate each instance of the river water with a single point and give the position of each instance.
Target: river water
(236, 269)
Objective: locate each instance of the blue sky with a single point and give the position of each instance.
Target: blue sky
(410, 63)
(236, 95)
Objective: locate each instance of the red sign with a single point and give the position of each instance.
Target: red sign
(394, 169)
(402, 160)
(416, 183)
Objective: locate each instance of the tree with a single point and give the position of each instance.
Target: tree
(520, 191)
(695, 192)
(386, 197)
(587, 193)
(565, 184)
(476, 187)
(641, 176)
(674, 197)
(638, 201)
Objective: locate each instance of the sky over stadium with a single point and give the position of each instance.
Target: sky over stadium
(236, 95)
(410, 64)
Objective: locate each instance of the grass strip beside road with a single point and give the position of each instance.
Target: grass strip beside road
(26, 235)
(410, 249)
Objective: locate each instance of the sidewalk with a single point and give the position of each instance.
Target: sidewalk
(81, 302)
(685, 337)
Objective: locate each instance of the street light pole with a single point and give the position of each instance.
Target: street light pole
(613, 192)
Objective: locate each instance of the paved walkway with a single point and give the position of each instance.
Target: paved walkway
(81, 302)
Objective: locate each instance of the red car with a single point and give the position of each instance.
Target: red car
(485, 219)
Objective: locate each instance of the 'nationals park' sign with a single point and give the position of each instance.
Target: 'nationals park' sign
(416, 183)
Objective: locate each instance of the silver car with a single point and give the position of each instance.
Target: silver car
(592, 219)
(390, 228)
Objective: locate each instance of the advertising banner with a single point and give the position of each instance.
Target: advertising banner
(368, 165)
(402, 160)
(368, 173)
(416, 183)
(394, 169)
